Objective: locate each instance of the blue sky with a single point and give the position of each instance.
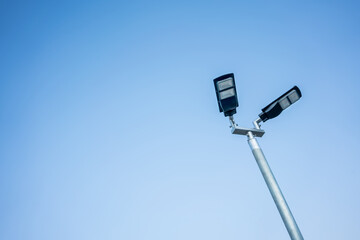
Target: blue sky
(110, 127)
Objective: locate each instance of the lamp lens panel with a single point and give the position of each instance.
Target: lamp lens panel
(284, 103)
(224, 84)
(293, 96)
(227, 93)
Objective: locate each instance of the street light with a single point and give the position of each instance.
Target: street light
(281, 103)
(226, 82)
(226, 94)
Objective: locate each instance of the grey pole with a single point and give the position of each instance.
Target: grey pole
(274, 189)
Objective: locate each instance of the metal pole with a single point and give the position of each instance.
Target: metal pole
(274, 189)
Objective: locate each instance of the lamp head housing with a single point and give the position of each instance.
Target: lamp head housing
(284, 101)
(226, 94)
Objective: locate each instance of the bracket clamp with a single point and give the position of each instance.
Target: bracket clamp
(245, 131)
(257, 132)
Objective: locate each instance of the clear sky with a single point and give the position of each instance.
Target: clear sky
(110, 127)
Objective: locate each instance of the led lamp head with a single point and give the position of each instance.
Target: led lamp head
(284, 101)
(226, 94)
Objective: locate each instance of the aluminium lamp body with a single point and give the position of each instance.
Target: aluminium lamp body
(226, 94)
(281, 103)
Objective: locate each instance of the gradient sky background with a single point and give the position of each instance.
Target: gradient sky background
(110, 127)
